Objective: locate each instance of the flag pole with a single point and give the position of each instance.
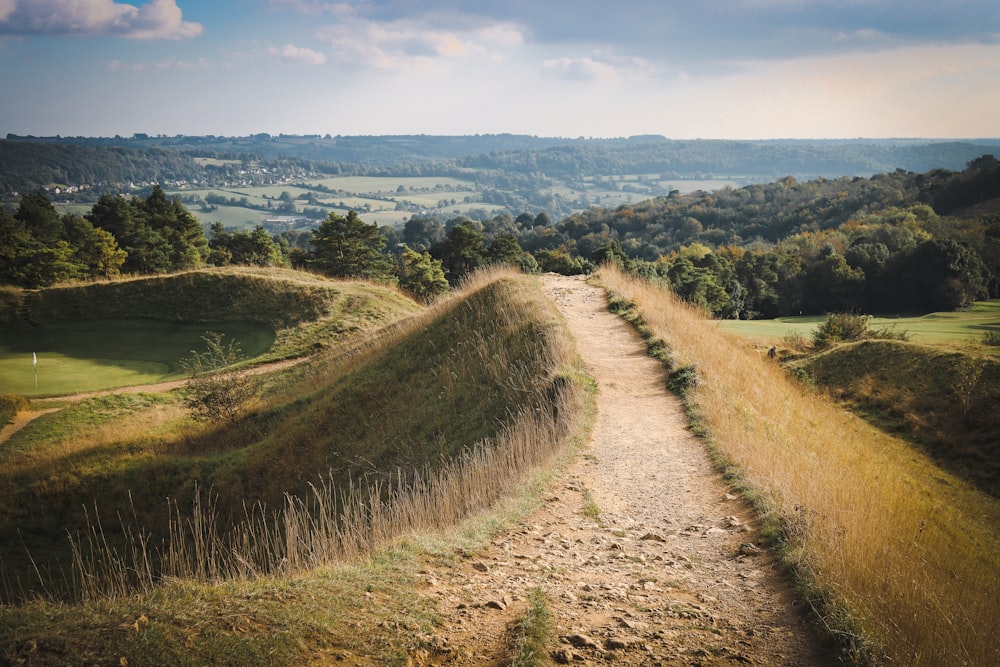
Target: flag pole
(34, 364)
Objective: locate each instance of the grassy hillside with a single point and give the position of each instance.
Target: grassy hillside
(897, 556)
(382, 417)
(135, 331)
(941, 399)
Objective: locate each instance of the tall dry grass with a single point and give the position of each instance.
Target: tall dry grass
(900, 559)
(334, 523)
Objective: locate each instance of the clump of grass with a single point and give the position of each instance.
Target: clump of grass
(794, 340)
(534, 632)
(898, 558)
(10, 405)
(591, 509)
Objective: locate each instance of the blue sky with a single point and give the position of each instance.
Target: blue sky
(738, 69)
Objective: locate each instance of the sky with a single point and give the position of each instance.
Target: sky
(684, 69)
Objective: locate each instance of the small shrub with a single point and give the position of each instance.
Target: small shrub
(658, 349)
(217, 391)
(841, 327)
(991, 338)
(966, 386)
(889, 332)
(683, 380)
(793, 340)
(803, 377)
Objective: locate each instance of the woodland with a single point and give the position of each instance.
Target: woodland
(890, 243)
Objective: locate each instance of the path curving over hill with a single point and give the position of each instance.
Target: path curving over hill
(670, 573)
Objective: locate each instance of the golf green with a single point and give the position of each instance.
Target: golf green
(88, 355)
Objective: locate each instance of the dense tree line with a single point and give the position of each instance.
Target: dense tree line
(38, 247)
(879, 244)
(894, 242)
(27, 167)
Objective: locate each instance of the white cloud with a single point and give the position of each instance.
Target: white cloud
(599, 66)
(579, 69)
(159, 66)
(316, 6)
(157, 19)
(298, 54)
(404, 44)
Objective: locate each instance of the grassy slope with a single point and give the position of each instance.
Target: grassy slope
(458, 375)
(946, 327)
(910, 389)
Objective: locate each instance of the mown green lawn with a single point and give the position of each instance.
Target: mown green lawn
(964, 326)
(91, 355)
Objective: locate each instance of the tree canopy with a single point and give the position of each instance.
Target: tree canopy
(348, 247)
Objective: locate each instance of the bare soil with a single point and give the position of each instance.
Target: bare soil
(668, 570)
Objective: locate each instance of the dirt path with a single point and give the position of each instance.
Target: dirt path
(668, 574)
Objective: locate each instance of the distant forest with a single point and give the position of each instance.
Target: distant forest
(107, 164)
(895, 241)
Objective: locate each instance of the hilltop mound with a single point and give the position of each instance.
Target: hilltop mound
(406, 400)
(295, 304)
(932, 396)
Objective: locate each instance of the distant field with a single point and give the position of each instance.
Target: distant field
(231, 216)
(947, 327)
(91, 355)
(375, 197)
(75, 209)
(389, 184)
(214, 162)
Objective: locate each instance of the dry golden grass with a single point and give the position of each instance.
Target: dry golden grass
(899, 558)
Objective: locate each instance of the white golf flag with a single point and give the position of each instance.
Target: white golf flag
(34, 359)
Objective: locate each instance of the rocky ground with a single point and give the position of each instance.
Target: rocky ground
(644, 554)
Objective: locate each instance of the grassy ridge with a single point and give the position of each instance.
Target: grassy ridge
(302, 308)
(325, 601)
(899, 558)
(429, 389)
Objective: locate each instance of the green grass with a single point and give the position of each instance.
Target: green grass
(135, 331)
(88, 355)
(230, 216)
(534, 633)
(936, 328)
